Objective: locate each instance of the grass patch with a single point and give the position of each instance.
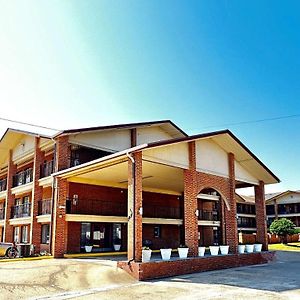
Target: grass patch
(285, 247)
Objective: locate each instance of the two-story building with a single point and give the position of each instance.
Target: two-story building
(138, 184)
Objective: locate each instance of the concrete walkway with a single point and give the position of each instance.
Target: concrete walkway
(100, 279)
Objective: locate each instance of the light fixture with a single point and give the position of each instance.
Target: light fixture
(197, 212)
(141, 211)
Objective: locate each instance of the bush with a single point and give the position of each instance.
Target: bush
(283, 227)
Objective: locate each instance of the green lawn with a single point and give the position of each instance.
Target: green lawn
(285, 247)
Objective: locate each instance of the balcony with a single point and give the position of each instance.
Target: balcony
(44, 207)
(208, 215)
(158, 211)
(2, 213)
(23, 177)
(47, 168)
(244, 222)
(245, 209)
(3, 185)
(21, 211)
(96, 207)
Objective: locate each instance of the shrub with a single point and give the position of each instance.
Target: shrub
(282, 227)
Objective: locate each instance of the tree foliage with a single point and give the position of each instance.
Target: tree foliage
(282, 227)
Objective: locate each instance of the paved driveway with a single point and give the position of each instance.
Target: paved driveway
(100, 279)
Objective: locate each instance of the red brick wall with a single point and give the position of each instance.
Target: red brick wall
(160, 269)
(47, 193)
(37, 196)
(74, 230)
(10, 199)
(170, 236)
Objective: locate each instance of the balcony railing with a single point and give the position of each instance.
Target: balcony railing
(208, 215)
(158, 211)
(245, 209)
(3, 185)
(47, 168)
(21, 211)
(44, 207)
(2, 213)
(246, 222)
(96, 207)
(23, 177)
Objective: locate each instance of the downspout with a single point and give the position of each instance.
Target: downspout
(133, 213)
(52, 200)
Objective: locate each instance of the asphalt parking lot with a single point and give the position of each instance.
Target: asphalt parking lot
(100, 279)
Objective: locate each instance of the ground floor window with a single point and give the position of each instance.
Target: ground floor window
(17, 234)
(25, 231)
(45, 233)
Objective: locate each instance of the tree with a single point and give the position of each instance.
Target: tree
(282, 227)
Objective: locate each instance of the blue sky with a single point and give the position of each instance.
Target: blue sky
(202, 64)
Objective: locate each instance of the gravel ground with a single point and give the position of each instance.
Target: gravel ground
(100, 279)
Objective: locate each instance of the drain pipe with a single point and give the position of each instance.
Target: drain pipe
(133, 212)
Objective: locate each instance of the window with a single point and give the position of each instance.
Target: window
(157, 231)
(25, 234)
(17, 234)
(45, 233)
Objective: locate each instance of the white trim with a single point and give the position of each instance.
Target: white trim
(209, 223)
(208, 197)
(3, 194)
(20, 221)
(43, 219)
(93, 218)
(246, 215)
(162, 221)
(246, 229)
(163, 162)
(22, 188)
(46, 181)
(212, 173)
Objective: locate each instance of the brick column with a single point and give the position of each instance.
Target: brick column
(61, 193)
(62, 153)
(231, 231)
(10, 199)
(37, 194)
(261, 224)
(59, 233)
(190, 204)
(135, 226)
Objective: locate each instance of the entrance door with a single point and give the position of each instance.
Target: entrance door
(102, 236)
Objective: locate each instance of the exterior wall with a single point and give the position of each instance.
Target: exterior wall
(25, 146)
(211, 158)
(160, 269)
(73, 236)
(173, 155)
(151, 134)
(170, 236)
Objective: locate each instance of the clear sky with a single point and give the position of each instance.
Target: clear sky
(203, 64)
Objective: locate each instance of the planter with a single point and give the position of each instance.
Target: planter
(146, 255)
(201, 251)
(88, 249)
(214, 250)
(249, 248)
(165, 254)
(257, 247)
(224, 249)
(241, 249)
(117, 247)
(183, 252)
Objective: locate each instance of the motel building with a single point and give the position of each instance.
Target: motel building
(129, 185)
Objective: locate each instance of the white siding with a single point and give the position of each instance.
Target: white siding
(289, 198)
(113, 140)
(173, 155)
(151, 134)
(24, 147)
(210, 158)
